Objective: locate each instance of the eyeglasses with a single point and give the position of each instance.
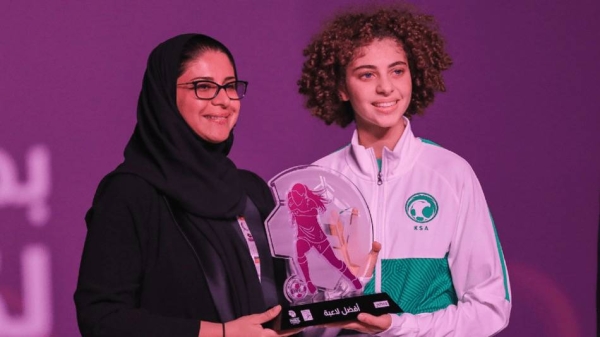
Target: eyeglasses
(208, 90)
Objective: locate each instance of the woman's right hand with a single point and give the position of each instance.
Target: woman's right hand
(251, 325)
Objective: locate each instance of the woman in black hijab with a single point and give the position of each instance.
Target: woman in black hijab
(176, 244)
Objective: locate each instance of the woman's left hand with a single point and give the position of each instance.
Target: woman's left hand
(251, 325)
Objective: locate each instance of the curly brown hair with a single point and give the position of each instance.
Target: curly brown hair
(335, 47)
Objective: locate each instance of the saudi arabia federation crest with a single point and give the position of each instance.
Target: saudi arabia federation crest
(421, 207)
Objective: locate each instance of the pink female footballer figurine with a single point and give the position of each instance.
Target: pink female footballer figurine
(305, 206)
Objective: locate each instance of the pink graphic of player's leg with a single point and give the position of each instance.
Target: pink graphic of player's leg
(328, 253)
(302, 247)
(305, 206)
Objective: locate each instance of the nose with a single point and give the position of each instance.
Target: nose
(384, 86)
(221, 99)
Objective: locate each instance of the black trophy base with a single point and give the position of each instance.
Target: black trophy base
(344, 309)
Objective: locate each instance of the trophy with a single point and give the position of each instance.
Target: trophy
(322, 227)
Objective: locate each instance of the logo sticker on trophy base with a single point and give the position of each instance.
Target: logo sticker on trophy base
(322, 227)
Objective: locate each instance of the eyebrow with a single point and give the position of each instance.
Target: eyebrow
(209, 78)
(368, 66)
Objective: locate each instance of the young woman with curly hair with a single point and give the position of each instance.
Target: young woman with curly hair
(441, 259)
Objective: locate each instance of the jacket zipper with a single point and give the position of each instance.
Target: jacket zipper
(380, 215)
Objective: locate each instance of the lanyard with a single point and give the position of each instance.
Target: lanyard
(250, 242)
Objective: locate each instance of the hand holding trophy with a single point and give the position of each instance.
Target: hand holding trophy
(322, 227)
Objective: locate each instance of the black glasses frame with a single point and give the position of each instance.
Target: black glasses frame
(219, 87)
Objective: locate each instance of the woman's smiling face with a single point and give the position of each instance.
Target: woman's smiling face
(213, 119)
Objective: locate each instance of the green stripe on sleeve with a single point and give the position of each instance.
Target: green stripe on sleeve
(507, 295)
(427, 141)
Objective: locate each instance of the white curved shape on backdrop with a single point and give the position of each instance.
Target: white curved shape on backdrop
(36, 318)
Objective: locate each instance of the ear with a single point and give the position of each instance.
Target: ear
(343, 93)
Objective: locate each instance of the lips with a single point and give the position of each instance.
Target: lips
(385, 104)
(216, 118)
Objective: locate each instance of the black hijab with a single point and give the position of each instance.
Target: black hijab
(166, 152)
(204, 186)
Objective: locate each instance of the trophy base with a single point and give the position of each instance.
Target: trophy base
(344, 309)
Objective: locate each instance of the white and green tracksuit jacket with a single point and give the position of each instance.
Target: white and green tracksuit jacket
(441, 259)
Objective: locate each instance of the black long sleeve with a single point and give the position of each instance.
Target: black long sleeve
(118, 253)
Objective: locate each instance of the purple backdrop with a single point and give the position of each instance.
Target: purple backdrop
(521, 107)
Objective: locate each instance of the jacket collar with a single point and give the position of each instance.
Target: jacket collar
(394, 162)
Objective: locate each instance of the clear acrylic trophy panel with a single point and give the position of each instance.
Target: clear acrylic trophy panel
(321, 224)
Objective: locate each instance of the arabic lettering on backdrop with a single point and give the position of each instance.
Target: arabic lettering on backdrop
(35, 318)
(34, 191)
